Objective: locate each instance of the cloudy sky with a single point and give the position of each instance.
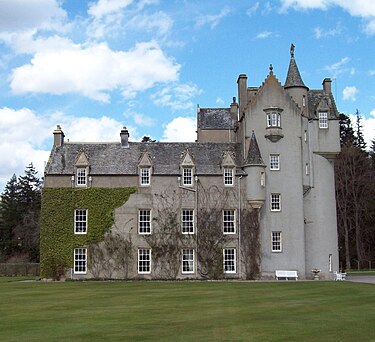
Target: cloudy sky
(94, 66)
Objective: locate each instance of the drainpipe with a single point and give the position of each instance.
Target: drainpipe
(239, 227)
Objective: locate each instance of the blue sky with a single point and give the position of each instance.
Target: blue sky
(94, 66)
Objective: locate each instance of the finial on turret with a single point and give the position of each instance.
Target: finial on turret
(271, 69)
(292, 50)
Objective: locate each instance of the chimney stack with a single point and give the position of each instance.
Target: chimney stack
(327, 85)
(124, 134)
(58, 137)
(242, 92)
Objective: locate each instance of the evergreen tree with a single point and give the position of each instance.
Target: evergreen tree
(10, 213)
(360, 140)
(347, 136)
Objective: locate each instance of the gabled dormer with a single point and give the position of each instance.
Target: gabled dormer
(81, 177)
(145, 169)
(229, 167)
(187, 168)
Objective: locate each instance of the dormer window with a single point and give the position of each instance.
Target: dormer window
(187, 176)
(228, 173)
(81, 176)
(144, 176)
(323, 120)
(273, 119)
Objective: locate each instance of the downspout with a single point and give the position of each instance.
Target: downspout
(239, 227)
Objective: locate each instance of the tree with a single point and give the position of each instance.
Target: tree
(347, 136)
(147, 139)
(360, 140)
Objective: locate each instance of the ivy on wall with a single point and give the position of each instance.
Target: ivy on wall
(57, 238)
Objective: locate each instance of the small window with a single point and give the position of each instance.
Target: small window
(303, 100)
(144, 261)
(273, 119)
(188, 261)
(228, 173)
(229, 221)
(144, 221)
(330, 263)
(144, 175)
(275, 202)
(229, 260)
(187, 221)
(262, 179)
(274, 162)
(80, 260)
(323, 120)
(307, 170)
(187, 176)
(80, 221)
(276, 243)
(81, 176)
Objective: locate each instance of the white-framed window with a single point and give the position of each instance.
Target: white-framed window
(275, 202)
(229, 260)
(228, 174)
(187, 176)
(80, 221)
(276, 241)
(273, 119)
(188, 261)
(187, 221)
(330, 263)
(229, 221)
(275, 162)
(144, 176)
(81, 176)
(80, 260)
(144, 221)
(323, 120)
(144, 261)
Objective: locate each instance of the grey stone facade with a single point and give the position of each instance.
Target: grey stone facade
(279, 141)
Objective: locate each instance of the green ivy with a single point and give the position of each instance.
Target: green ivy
(57, 238)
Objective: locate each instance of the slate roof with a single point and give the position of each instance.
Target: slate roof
(293, 78)
(254, 157)
(314, 97)
(215, 118)
(112, 159)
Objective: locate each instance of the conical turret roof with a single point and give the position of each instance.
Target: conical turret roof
(254, 157)
(293, 79)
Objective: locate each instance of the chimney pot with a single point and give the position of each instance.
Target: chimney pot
(58, 136)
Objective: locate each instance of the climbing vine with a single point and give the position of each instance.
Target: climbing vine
(57, 220)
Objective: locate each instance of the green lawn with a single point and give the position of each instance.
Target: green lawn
(186, 311)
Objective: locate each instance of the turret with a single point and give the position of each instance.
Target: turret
(294, 83)
(255, 169)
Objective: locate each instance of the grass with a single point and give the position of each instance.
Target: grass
(186, 311)
(361, 273)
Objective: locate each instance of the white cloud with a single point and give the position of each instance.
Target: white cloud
(159, 22)
(267, 8)
(177, 96)
(213, 19)
(338, 67)
(180, 129)
(94, 70)
(350, 93)
(364, 9)
(104, 8)
(219, 101)
(20, 15)
(263, 35)
(371, 72)
(140, 119)
(322, 33)
(252, 10)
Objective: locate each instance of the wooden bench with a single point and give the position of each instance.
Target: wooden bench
(286, 274)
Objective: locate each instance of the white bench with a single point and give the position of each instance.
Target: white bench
(286, 274)
(340, 276)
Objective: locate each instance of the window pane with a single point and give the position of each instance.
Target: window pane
(228, 176)
(276, 242)
(188, 261)
(144, 221)
(80, 260)
(275, 202)
(274, 162)
(81, 176)
(323, 120)
(187, 220)
(229, 226)
(229, 259)
(145, 176)
(187, 176)
(144, 261)
(80, 221)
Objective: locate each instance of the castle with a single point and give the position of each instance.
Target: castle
(254, 194)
